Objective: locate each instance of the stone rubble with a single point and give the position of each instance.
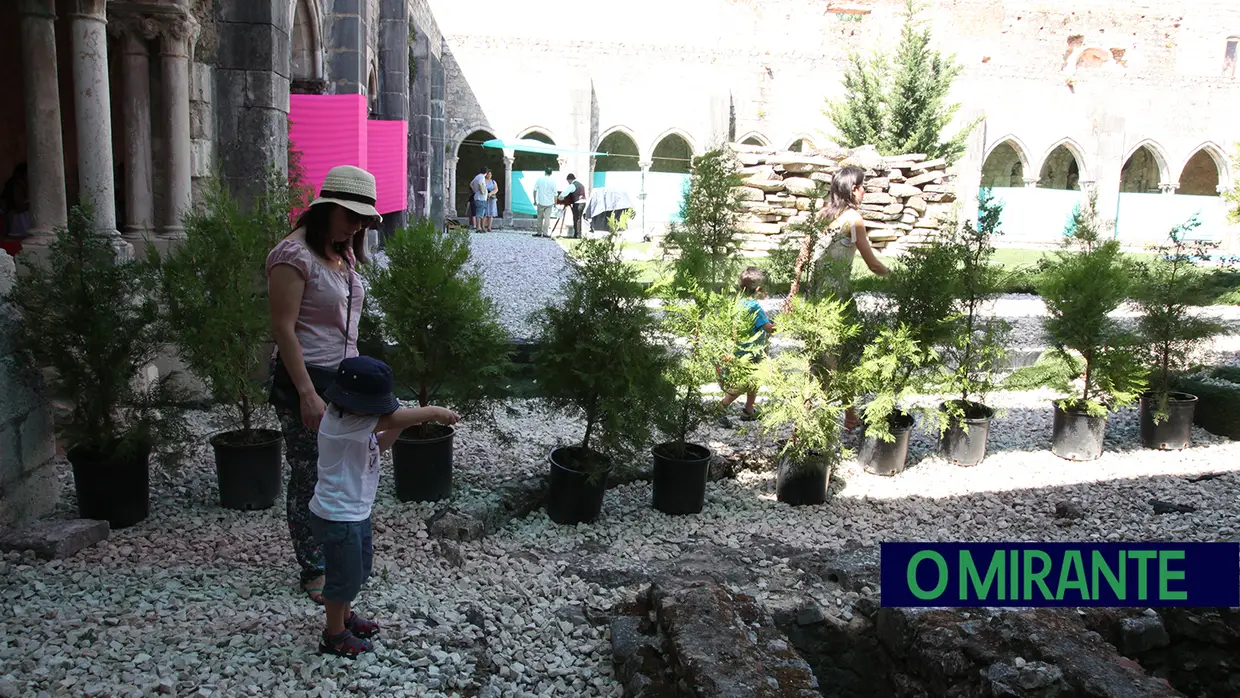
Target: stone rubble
(907, 196)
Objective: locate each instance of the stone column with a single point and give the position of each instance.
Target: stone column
(174, 64)
(93, 111)
(136, 108)
(451, 174)
(508, 160)
(645, 165)
(45, 153)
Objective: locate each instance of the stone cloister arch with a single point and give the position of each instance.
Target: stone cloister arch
(673, 151)
(535, 162)
(1205, 173)
(755, 138)
(1006, 164)
(1063, 167)
(305, 41)
(623, 154)
(1145, 170)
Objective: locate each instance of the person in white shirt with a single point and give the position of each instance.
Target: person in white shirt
(544, 202)
(478, 200)
(363, 418)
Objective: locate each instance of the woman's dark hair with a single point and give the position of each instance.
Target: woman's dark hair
(840, 198)
(317, 222)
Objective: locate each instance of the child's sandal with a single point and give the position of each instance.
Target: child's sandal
(361, 627)
(346, 644)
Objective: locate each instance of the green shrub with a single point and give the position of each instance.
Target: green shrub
(704, 247)
(597, 357)
(447, 346)
(85, 315)
(211, 286)
(1081, 287)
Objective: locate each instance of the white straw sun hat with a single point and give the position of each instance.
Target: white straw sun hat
(352, 188)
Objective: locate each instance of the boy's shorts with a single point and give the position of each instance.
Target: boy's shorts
(348, 552)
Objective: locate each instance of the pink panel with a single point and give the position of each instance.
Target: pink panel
(328, 130)
(388, 142)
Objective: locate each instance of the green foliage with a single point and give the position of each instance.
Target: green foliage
(447, 344)
(1166, 288)
(1053, 369)
(1232, 196)
(84, 315)
(899, 104)
(597, 357)
(707, 328)
(886, 369)
(805, 393)
(704, 247)
(300, 193)
(215, 301)
(1081, 287)
(974, 351)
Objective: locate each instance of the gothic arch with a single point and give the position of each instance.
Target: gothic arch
(305, 40)
(674, 132)
(462, 133)
(618, 161)
(525, 132)
(1221, 163)
(1078, 154)
(1000, 169)
(1128, 182)
(805, 140)
(760, 140)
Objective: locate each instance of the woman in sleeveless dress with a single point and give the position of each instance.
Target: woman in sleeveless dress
(316, 301)
(845, 236)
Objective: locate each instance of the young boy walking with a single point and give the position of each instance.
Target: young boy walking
(753, 349)
(363, 418)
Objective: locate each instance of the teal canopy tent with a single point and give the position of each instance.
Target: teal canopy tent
(527, 145)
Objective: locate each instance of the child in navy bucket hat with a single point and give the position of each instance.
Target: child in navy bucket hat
(362, 419)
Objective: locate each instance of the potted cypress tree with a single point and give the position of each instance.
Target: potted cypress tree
(1081, 286)
(597, 359)
(974, 353)
(84, 315)
(901, 355)
(215, 304)
(706, 326)
(807, 400)
(1167, 287)
(447, 346)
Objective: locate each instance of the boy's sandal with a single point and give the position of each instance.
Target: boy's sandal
(361, 627)
(314, 589)
(749, 415)
(346, 644)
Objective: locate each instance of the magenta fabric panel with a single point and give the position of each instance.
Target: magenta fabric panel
(388, 142)
(328, 130)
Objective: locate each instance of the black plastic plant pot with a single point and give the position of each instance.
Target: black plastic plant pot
(801, 483)
(888, 458)
(680, 475)
(422, 463)
(112, 488)
(1077, 436)
(964, 441)
(573, 496)
(1174, 433)
(248, 470)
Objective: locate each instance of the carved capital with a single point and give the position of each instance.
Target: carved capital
(645, 165)
(451, 162)
(1168, 187)
(175, 36)
(45, 9)
(562, 162)
(508, 161)
(87, 9)
(1032, 182)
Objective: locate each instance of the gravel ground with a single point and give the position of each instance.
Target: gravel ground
(200, 601)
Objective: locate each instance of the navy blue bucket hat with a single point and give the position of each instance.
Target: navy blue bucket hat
(363, 385)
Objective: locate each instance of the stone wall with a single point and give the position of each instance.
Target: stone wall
(906, 195)
(28, 483)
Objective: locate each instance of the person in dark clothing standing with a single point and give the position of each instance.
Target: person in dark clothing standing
(576, 197)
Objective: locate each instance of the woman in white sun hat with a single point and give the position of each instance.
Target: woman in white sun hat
(316, 301)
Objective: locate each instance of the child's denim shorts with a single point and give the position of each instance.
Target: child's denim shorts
(348, 551)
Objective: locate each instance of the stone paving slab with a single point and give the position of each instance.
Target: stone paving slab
(56, 539)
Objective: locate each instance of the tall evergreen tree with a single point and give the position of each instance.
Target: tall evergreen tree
(901, 108)
(705, 245)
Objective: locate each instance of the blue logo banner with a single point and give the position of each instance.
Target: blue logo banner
(1060, 574)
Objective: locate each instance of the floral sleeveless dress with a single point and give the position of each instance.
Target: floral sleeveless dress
(831, 271)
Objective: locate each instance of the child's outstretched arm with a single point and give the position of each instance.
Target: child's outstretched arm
(390, 426)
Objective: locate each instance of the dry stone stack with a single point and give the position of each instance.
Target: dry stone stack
(906, 195)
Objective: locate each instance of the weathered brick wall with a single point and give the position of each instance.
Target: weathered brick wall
(906, 195)
(28, 485)
(771, 64)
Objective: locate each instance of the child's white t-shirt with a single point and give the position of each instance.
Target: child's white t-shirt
(348, 467)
